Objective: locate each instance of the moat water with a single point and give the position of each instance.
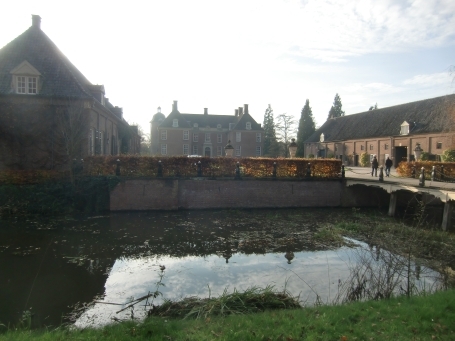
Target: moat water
(65, 270)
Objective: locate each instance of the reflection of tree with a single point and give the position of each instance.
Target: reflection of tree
(289, 256)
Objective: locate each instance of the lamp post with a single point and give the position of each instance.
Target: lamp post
(292, 148)
(228, 149)
(417, 151)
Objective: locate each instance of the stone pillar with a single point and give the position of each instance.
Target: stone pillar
(446, 215)
(393, 203)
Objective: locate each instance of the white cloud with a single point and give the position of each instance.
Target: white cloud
(429, 80)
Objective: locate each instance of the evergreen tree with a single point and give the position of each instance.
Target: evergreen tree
(335, 110)
(306, 128)
(270, 142)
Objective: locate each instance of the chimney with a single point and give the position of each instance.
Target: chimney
(174, 106)
(36, 21)
(240, 111)
(206, 111)
(245, 108)
(118, 111)
(236, 112)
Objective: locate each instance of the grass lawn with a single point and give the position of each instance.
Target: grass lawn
(429, 317)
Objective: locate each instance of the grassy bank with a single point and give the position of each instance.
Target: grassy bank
(418, 318)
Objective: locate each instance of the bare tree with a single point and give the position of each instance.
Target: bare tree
(285, 129)
(72, 127)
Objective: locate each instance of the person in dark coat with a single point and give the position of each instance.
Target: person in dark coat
(388, 165)
(374, 166)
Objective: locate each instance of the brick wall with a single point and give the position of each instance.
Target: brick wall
(161, 194)
(171, 194)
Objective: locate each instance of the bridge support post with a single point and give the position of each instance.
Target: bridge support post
(446, 215)
(393, 203)
(422, 177)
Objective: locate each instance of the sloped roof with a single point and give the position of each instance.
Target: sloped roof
(59, 77)
(206, 120)
(426, 116)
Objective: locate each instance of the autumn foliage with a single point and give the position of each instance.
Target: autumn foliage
(405, 169)
(185, 167)
(180, 166)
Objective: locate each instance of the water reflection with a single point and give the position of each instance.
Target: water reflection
(289, 256)
(211, 275)
(51, 265)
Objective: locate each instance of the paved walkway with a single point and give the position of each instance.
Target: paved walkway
(364, 173)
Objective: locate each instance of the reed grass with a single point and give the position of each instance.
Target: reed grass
(252, 300)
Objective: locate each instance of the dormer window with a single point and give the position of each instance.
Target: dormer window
(404, 128)
(175, 122)
(248, 125)
(25, 79)
(218, 126)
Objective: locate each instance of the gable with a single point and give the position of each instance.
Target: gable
(242, 123)
(26, 69)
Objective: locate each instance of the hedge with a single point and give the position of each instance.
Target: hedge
(405, 169)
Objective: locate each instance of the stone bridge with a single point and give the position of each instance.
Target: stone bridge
(444, 191)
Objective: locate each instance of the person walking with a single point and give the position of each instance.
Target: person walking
(374, 166)
(388, 165)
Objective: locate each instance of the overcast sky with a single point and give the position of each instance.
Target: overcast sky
(222, 54)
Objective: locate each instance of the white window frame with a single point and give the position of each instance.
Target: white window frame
(404, 128)
(258, 151)
(238, 150)
(175, 123)
(248, 126)
(238, 136)
(207, 137)
(163, 134)
(163, 149)
(258, 137)
(186, 149)
(27, 85)
(219, 138)
(186, 135)
(195, 137)
(231, 126)
(219, 151)
(195, 150)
